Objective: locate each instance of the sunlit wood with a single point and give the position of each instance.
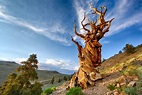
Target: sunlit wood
(90, 55)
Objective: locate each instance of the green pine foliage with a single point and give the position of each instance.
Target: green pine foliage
(75, 91)
(65, 78)
(24, 82)
(131, 90)
(59, 80)
(129, 49)
(136, 90)
(52, 81)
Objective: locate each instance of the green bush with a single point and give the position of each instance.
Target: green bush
(49, 90)
(111, 87)
(139, 72)
(129, 48)
(131, 90)
(137, 90)
(75, 91)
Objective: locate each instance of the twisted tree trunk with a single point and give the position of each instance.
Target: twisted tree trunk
(90, 55)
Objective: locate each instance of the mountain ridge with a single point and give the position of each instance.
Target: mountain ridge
(8, 67)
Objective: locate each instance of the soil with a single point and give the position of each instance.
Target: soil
(100, 87)
(111, 76)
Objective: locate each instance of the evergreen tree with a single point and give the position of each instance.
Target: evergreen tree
(120, 52)
(52, 81)
(25, 81)
(65, 78)
(59, 80)
(129, 48)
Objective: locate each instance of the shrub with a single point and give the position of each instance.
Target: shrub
(139, 72)
(59, 80)
(120, 52)
(137, 90)
(53, 88)
(52, 80)
(65, 78)
(48, 91)
(111, 87)
(129, 48)
(75, 91)
(131, 90)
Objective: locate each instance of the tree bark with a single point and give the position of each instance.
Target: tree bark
(90, 55)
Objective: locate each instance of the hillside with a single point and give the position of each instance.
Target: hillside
(118, 61)
(119, 70)
(7, 67)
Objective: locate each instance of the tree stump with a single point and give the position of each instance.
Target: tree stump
(90, 55)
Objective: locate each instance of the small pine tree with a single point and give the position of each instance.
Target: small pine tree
(129, 48)
(65, 78)
(52, 81)
(120, 52)
(59, 80)
(20, 84)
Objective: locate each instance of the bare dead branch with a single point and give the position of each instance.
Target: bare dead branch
(85, 24)
(75, 31)
(79, 47)
(105, 9)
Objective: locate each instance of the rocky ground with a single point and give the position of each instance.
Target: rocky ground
(111, 70)
(98, 89)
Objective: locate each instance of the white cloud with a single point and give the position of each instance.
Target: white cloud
(17, 60)
(123, 11)
(125, 16)
(50, 32)
(81, 8)
(76, 68)
(58, 63)
(63, 66)
(106, 42)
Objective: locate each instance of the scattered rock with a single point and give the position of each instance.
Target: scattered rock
(122, 93)
(115, 93)
(123, 83)
(118, 85)
(132, 83)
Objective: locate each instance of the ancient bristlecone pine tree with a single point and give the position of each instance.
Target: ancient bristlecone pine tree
(90, 55)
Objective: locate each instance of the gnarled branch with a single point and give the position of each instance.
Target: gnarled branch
(84, 25)
(78, 46)
(92, 25)
(75, 31)
(101, 33)
(105, 9)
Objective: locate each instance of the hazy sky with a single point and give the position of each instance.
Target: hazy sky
(44, 27)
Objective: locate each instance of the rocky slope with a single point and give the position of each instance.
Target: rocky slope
(115, 71)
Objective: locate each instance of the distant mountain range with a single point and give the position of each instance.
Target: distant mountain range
(8, 67)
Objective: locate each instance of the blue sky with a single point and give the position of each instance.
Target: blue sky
(44, 27)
